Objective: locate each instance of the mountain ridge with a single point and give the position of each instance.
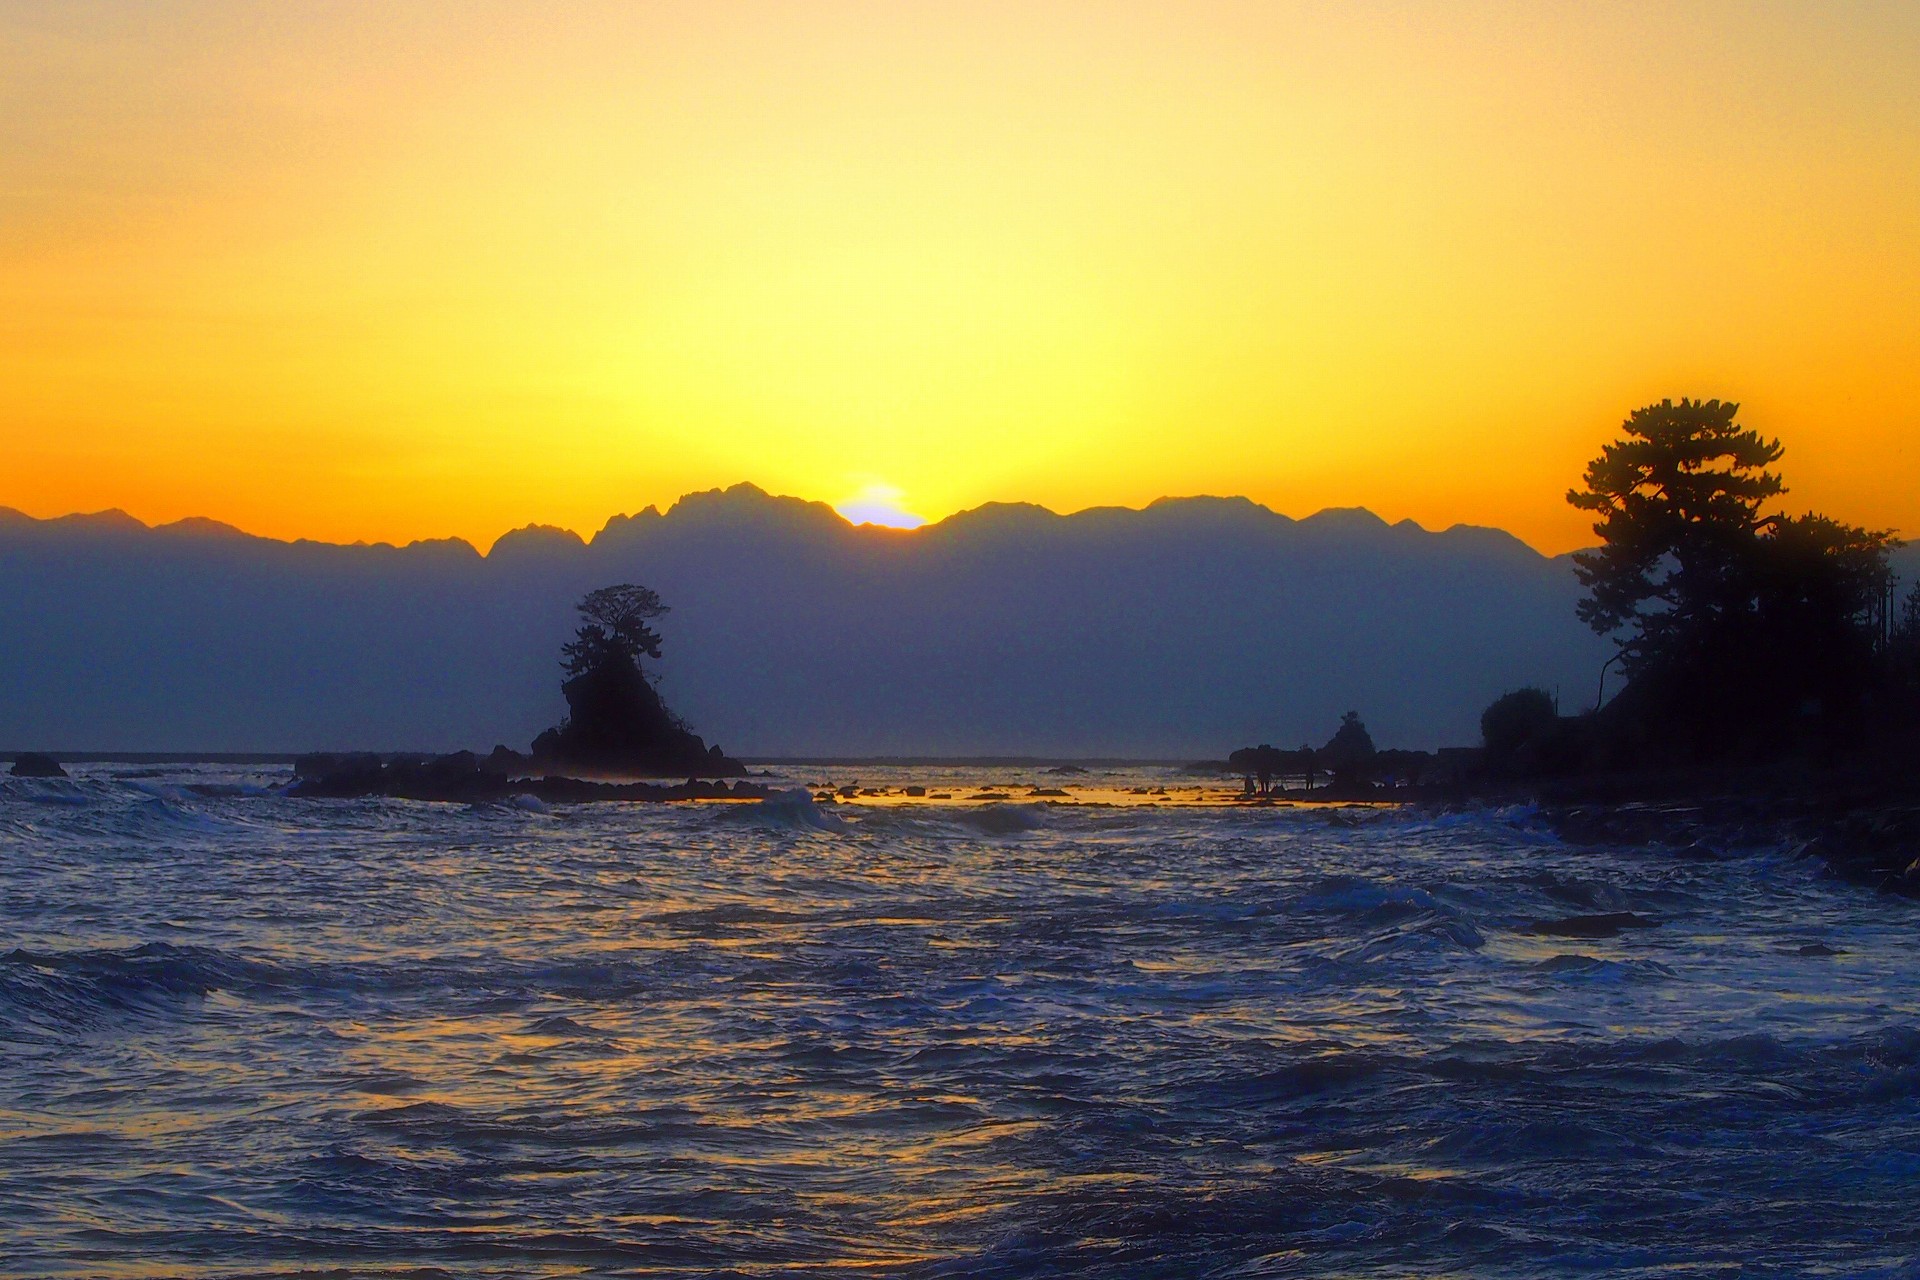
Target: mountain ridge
(745, 496)
(1185, 628)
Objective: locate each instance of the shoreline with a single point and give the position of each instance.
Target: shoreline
(1861, 819)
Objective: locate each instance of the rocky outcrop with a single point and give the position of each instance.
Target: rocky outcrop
(1869, 836)
(34, 764)
(619, 725)
(463, 777)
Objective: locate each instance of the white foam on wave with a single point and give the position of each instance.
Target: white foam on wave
(163, 813)
(1353, 893)
(60, 791)
(511, 807)
(791, 809)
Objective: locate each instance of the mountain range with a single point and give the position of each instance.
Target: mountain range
(1187, 628)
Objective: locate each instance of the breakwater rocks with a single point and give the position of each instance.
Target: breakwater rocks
(463, 777)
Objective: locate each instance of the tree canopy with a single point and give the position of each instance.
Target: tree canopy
(616, 720)
(1350, 746)
(614, 622)
(1904, 647)
(1740, 617)
(1516, 726)
(1514, 719)
(1678, 503)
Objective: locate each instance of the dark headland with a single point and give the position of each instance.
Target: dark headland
(1770, 673)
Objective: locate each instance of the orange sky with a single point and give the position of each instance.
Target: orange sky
(373, 271)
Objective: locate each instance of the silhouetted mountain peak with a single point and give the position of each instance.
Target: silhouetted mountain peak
(112, 524)
(620, 528)
(535, 539)
(201, 527)
(112, 520)
(994, 517)
(446, 548)
(1211, 511)
(1495, 540)
(1348, 520)
(748, 505)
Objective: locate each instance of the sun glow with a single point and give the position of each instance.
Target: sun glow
(879, 504)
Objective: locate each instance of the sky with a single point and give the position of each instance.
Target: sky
(371, 271)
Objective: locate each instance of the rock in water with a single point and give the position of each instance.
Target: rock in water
(34, 764)
(1605, 925)
(618, 724)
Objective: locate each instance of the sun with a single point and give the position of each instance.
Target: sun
(879, 504)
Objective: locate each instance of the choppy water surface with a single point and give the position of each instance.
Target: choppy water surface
(251, 1035)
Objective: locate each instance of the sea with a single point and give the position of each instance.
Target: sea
(1130, 1029)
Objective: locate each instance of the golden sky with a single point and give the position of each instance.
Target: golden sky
(388, 271)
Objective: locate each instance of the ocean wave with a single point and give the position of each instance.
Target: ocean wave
(727, 917)
(163, 814)
(1356, 894)
(791, 810)
(87, 988)
(124, 808)
(1004, 819)
(90, 987)
(514, 806)
(68, 792)
(1575, 967)
(943, 1038)
(1426, 931)
(944, 822)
